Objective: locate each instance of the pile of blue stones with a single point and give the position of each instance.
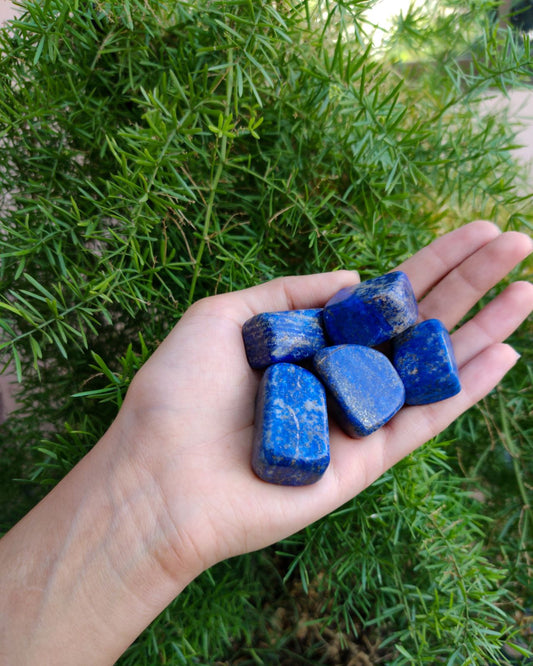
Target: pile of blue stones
(362, 357)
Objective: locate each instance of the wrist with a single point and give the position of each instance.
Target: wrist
(143, 449)
(148, 564)
(90, 566)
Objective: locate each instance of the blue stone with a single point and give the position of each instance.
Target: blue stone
(289, 336)
(371, 312)
(423, 356)
(291, 439)
(364, 388)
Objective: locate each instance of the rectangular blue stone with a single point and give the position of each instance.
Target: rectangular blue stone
(371, 312)
(278, 337)
(424, 358)
(291, 439)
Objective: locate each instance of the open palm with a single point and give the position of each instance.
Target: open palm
(193, 402)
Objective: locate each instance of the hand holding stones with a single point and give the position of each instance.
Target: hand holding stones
(191, 406)
(365, 388)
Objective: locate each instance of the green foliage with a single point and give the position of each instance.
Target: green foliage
(154, 152)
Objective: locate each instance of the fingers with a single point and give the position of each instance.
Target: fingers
(494, 323)
(483, 361)
(433, 262)
(456, 270)
(460, 289)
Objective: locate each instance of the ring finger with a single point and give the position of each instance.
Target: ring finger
(458, 291)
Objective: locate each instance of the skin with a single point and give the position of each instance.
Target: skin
(169, 491)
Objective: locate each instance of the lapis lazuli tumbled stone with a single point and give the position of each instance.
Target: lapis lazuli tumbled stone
(371, 312)
(288, 336)
(424, 358)
(364, 388)
(291, 439)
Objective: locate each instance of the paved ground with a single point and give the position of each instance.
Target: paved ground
(6, 10)
(522, 103)
(520, 106)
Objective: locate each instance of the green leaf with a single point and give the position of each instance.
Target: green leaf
(39, 49)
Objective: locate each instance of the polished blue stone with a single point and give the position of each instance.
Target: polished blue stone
(291, 439)
(364, 388)
(423, 356)
(371, 312)
(289, 336)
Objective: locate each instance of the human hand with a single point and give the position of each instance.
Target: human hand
(190, 410)
(169, 489)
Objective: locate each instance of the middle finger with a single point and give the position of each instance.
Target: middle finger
(452, 298)
(494, 323)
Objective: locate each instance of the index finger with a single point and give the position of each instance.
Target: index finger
(433, 262)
